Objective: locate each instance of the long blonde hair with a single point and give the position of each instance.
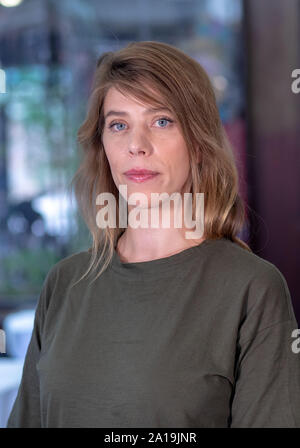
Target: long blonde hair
(186, 89)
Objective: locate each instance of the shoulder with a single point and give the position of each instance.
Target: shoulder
(237, 262)
(69, 268)
(261, 286)
(59, 278)
(72, 261)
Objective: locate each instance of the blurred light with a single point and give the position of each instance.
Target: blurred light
(16, 223)
(225, 11)
(220, 82)
(2, 81)
(55, 209)
(38, 228)
(20, 320)
(10, 3)
(18, 327)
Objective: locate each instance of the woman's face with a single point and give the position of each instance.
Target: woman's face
(135, 137)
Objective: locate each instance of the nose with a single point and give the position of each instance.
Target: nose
(138, 143)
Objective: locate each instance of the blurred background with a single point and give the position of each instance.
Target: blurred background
(48, 54)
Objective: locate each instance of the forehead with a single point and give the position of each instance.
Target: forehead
(114, 95)
(122, 98)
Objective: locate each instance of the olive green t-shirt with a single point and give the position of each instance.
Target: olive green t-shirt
(202, 338)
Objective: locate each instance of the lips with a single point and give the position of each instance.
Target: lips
(140, 175)
(140, 172)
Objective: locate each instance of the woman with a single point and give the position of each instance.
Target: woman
(173, 331)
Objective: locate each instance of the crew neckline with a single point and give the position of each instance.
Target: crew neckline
(144, 269)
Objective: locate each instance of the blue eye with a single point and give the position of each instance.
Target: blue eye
(113, 124)
(165, 119)
(159, 119)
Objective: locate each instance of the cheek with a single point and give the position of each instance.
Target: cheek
(107, 145)
(180, 159)
(110, 154)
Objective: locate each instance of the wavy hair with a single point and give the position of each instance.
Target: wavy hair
(143, 70)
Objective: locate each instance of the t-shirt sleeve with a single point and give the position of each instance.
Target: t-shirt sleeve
(267, 371)
(26, 411)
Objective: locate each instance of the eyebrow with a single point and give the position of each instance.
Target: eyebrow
(147, 111)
